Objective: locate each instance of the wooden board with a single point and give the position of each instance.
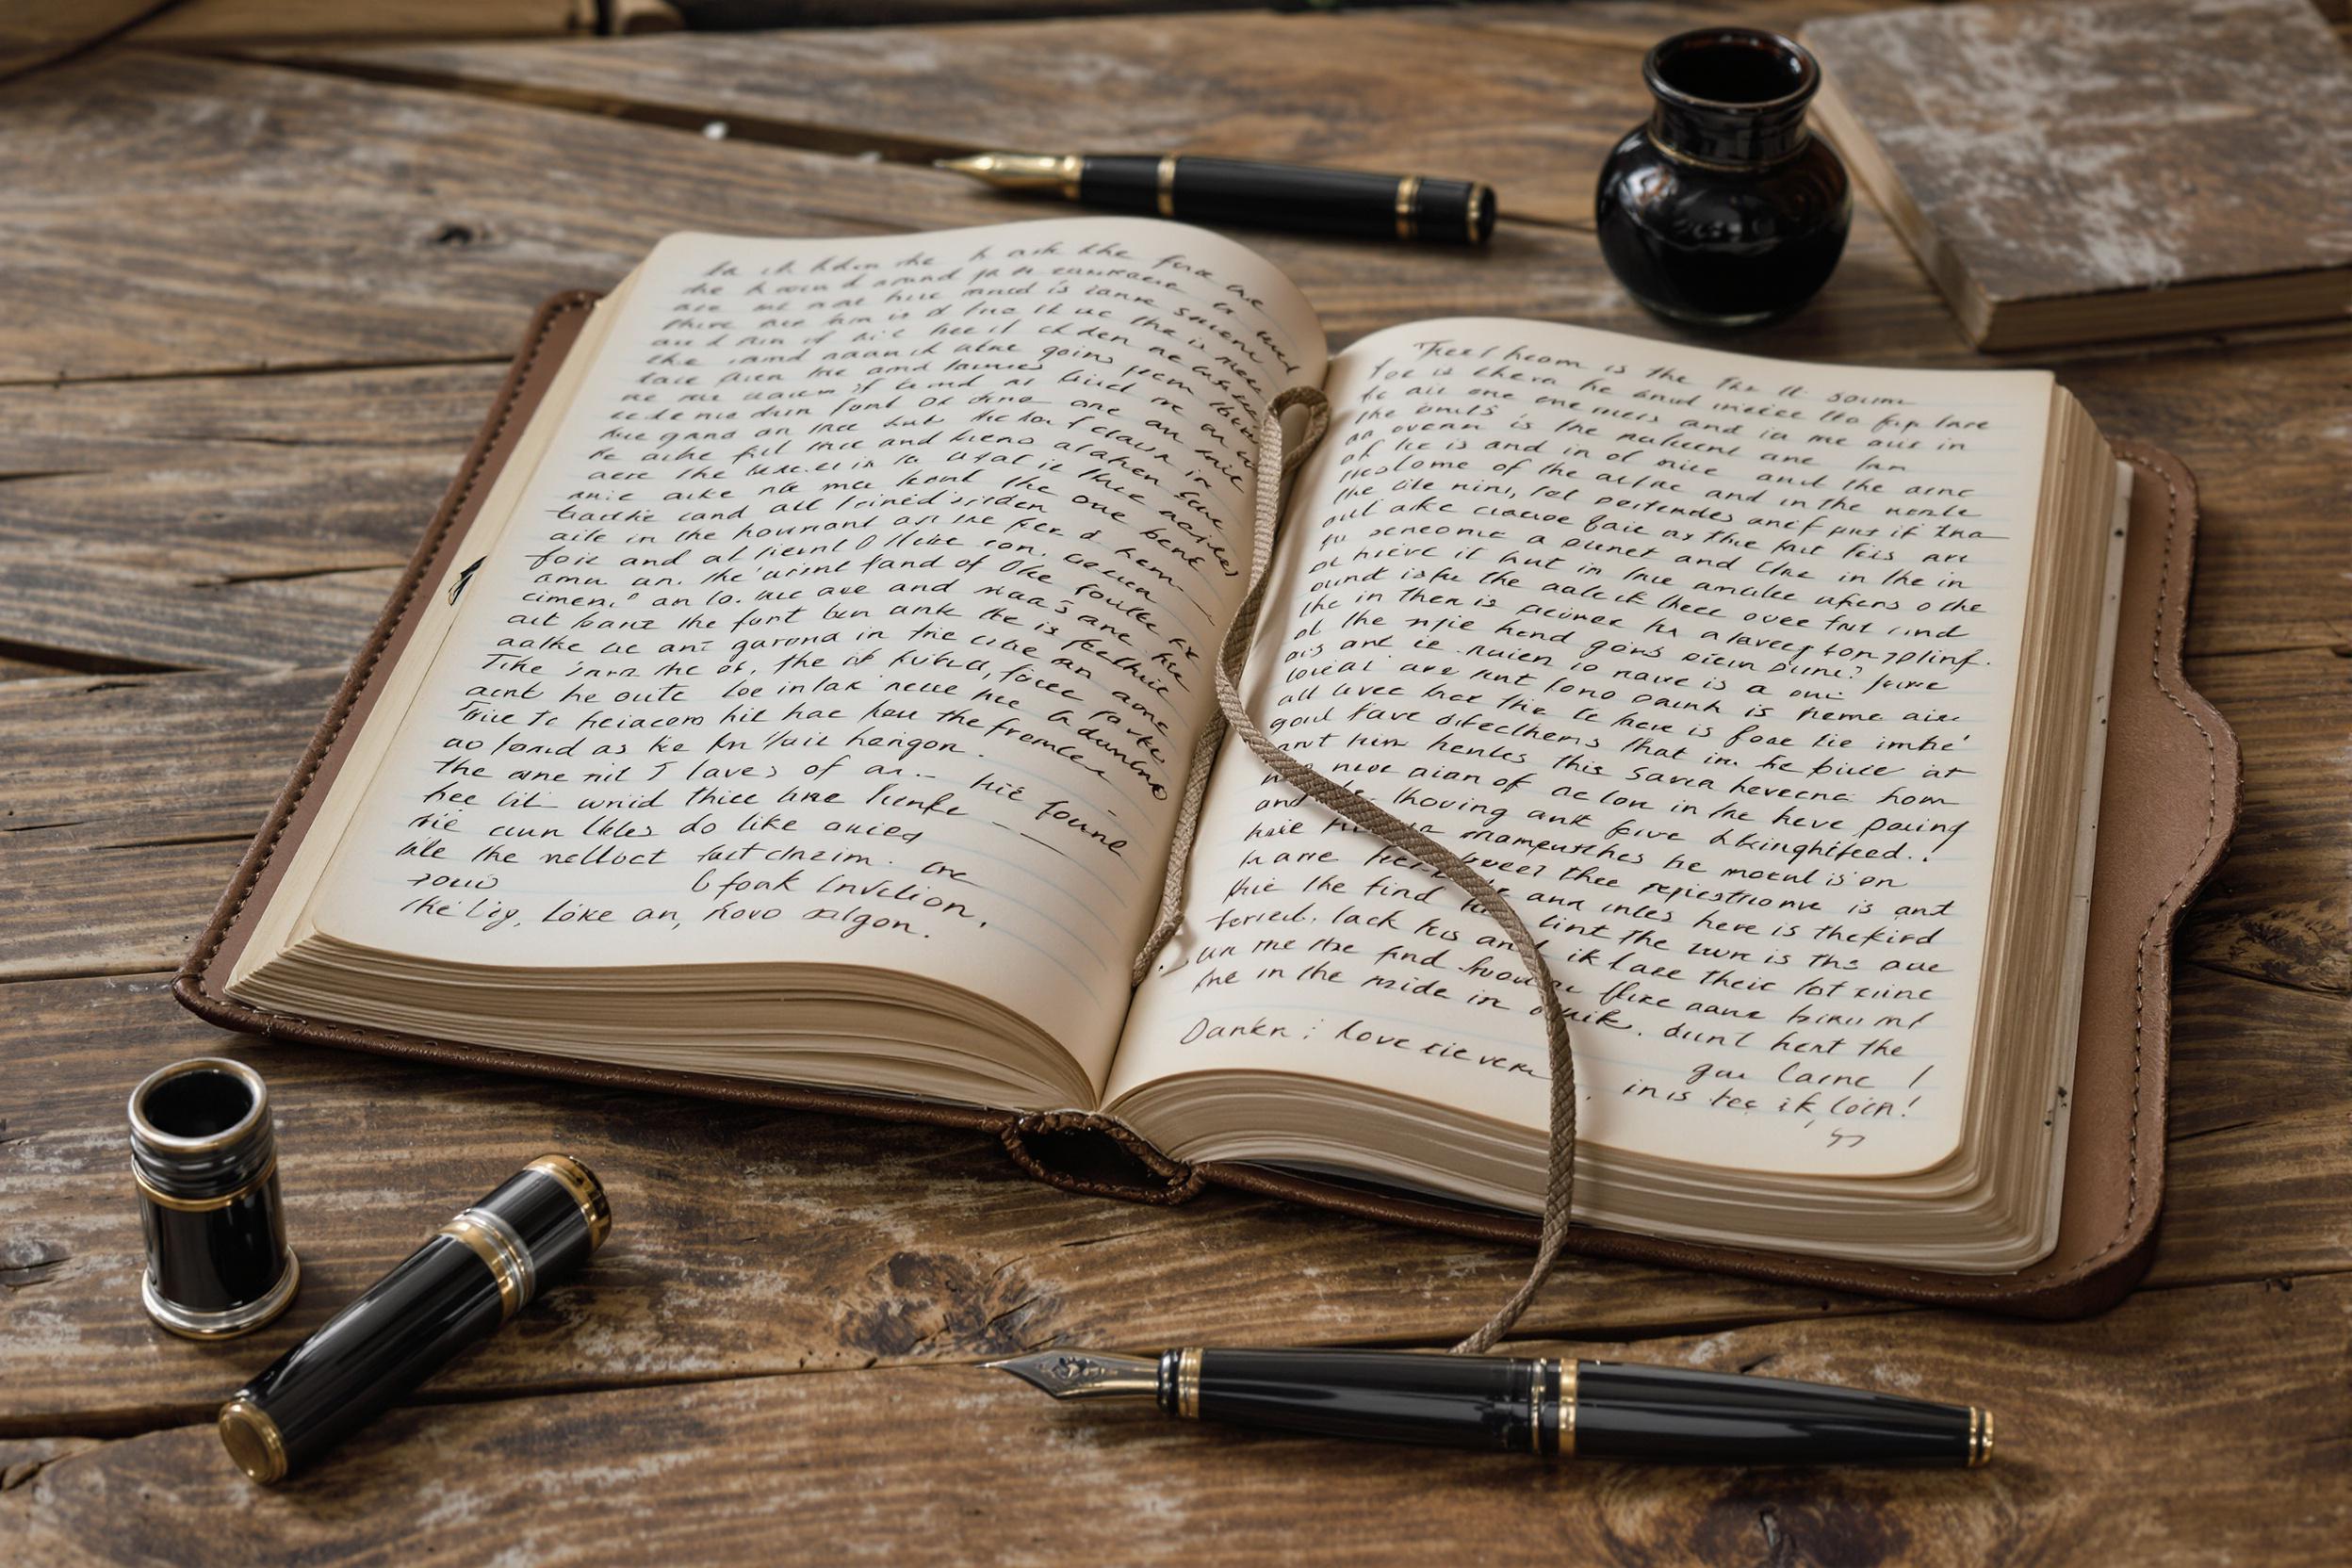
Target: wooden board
(957, 1465)
(448, 216)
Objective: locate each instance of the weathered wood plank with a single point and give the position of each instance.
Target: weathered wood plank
(121, 753)
(214, 422)
(35, 32)
(24, 669)
(240, 284)
(1638, 23)
(245, 522)
(2277, 906)
(129, 802)
(194, 229)
(218, 216)
(193, 622)
(213, 22)
(2264, 432)
(754, 1242)
(1527, 98)
(1532, 112)
(2102, 1456)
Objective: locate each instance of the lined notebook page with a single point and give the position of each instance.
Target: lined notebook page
(1708, 663)
(858, 614)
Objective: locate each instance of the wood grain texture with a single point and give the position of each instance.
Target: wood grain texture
(249, 522)
(1530, 112)
(2265, 434)
(214, 242)
(130, 802)
(1528, 99)
(2276, 908)
(35, 33)
(1639, 24)
(960, 1465)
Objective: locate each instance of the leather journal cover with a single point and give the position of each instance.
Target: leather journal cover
(2168, 802)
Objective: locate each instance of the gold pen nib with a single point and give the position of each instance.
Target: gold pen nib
(1085, 1374)
(1019, 170)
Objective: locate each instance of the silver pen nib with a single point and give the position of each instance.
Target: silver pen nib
(1085, 1374)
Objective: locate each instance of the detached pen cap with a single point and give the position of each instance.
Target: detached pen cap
(534, 1230)
(204, 1164)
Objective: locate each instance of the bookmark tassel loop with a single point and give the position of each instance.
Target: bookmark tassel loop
(1275, 466)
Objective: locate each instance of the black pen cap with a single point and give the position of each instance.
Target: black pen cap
(470, 1277)
(204, 1164)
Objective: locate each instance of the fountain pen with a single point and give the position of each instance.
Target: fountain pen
(1234, 191)
(1555, 1409)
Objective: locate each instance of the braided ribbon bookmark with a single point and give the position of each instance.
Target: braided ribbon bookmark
(1274, 467)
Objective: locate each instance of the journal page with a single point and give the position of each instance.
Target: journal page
(1708, 663)
(857, 615)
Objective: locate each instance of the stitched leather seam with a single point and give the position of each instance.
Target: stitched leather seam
(2212, 794)
(201, 969)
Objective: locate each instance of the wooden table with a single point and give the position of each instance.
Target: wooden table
(255, 295)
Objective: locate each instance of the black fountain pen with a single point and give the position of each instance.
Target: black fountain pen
(1265, 195)
(1557, 1409)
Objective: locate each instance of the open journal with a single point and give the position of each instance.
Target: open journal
(809, 695)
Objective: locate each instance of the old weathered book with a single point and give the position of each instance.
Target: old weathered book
(2110, 169)
(794, 702)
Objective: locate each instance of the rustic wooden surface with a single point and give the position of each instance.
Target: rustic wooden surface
(257, 300)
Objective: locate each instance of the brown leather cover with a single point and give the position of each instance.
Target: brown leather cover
(2169, 801)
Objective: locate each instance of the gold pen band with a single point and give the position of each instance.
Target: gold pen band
(1552, 1408)
(594, 1210)
(497, 1245)
(1188, 1384)
(1979, 1437)
(246, 1188)
(1168, 185)
(1408, 189)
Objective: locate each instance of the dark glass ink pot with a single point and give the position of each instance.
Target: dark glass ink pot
(1723, 209)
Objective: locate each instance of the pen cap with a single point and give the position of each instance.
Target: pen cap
(534, 1230)
(204, 1163)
